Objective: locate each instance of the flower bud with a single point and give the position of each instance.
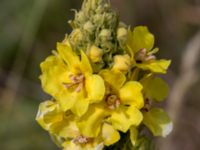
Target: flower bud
(122, 63)
(76, 36)
(95, 54)
(105, 34)
(122, 34)
(98, 19)
(66, 41)
(89, 27)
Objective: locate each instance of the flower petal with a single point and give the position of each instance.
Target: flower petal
(142, 38)
(70, 145)
(67, 54)
(46, 108)
(90, 124)
(54, 73)
(125, 117)
(54, 120)
(115, 79)
(85, 64)
(151, 86)
(66, 128)
(57, 140)
(95, 88)
(131, 94)
(81, 106)
(158, 122)
(67, 99)
(156, 66)
(109, 134)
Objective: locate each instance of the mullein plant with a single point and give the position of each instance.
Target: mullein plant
(104, 85)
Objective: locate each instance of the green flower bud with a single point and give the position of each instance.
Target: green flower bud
(89, 27)
(122, 34)
(95, 54)
(98, 19)
(76, 36)
(80, 16)
(105, 34)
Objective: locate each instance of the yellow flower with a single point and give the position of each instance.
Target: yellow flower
(123, 100)
(63, 125)
(157, 121)
(70, 80)
(155, 118)
(140, 46)
(93, 123)
(107, 136)
(55, 121)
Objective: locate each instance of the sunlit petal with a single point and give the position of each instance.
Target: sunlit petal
(158, 122)
(109, 134)
(156, 66)
(95, 88)
(131, 93)
(115, 79)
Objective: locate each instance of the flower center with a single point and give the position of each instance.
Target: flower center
(113, 102)
(143, 56)
(76, 80)
(81, 140)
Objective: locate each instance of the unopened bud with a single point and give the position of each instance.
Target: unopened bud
(122, 63)
(89, 27)
(76, 36)
(122, 34)
(105, 34)
(80, 16)
(95, 54)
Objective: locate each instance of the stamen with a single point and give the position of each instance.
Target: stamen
(150, 57)
(81, 140)
(80, 86)
(142, 56)
(67, 85)
(77, 80)
(113, 102)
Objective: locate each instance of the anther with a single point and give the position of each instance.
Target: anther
(113, 102)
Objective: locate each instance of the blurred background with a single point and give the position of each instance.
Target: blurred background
(29, 30)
